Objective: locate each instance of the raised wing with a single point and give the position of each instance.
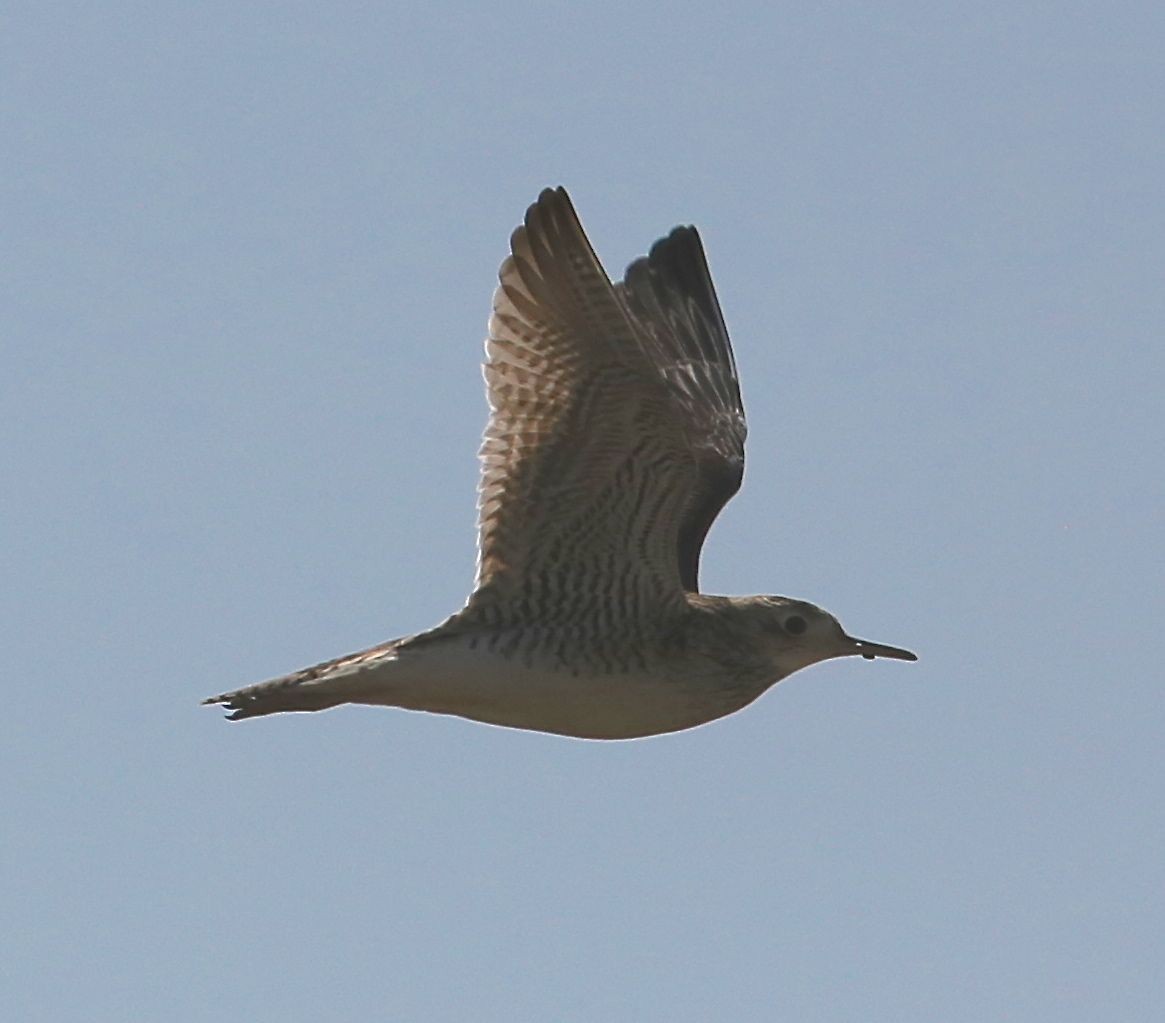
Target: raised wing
(672, 298)
(595, 472)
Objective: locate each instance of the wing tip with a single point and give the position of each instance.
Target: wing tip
(552, 204)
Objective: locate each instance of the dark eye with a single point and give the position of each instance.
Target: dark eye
(795, 625)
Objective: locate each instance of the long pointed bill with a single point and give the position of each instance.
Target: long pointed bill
(871, 650)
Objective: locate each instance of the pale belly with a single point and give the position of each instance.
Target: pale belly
(450, 677)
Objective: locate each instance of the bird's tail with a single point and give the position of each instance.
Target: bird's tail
(315, 688)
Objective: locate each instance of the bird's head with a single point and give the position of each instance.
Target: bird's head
(796, 634)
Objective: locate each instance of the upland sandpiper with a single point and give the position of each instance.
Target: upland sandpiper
(615, 436)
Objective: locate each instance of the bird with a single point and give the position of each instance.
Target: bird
(615, 436)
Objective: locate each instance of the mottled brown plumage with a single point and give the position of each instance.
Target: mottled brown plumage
(616, 435)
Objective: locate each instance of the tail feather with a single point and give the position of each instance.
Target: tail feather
(316, 688)
(274, 697)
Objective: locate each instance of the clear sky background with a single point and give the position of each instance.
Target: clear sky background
(248, 257)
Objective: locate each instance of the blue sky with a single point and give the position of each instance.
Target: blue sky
(248, 260)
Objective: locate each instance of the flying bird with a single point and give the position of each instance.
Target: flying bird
(615, 436)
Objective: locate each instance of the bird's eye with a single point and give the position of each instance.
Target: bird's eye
(795, 625)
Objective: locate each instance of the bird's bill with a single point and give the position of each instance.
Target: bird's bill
(870, 650)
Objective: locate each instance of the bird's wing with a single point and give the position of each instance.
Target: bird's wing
(592, 462)
(671, 296)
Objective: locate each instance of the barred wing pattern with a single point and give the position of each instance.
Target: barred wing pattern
(615, 432)
(671, 295)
